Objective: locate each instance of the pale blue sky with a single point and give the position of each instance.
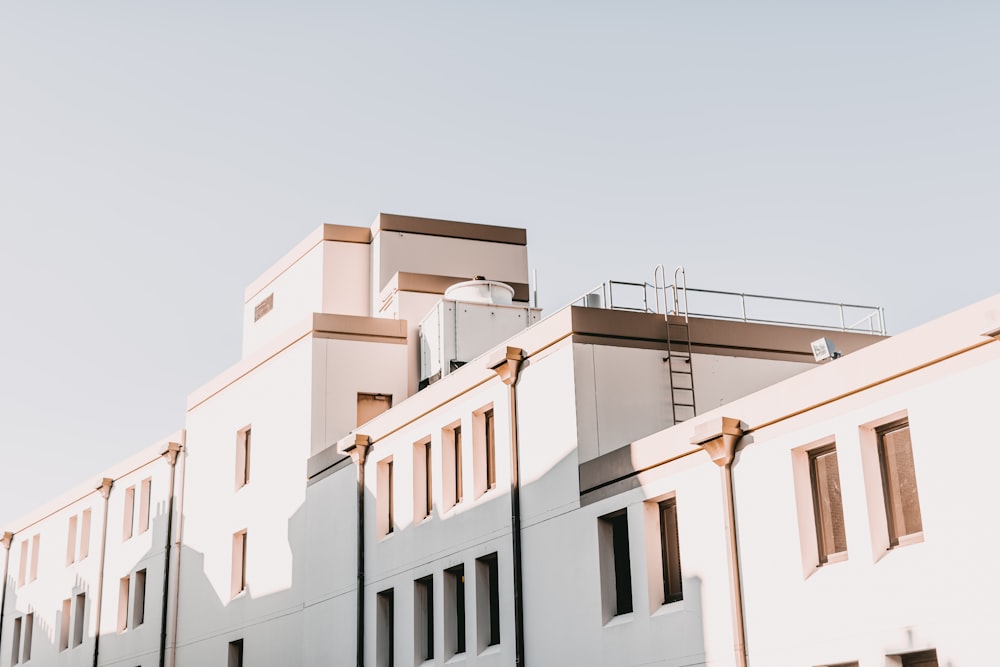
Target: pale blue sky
(156, 157)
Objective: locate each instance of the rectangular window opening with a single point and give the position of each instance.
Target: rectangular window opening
(920, 659)
(455, 609)
(139, 605)
(35, 543)
(899, 481)
(670, 553)
(85, 534)
(123, 586)
(491, 462)
(488, 600)
(15, 654)
(384, 629)
(616, 568)
(423, 616)
(64, 624)
(23, 564)
(144, 492)
(239, 563)
(423, 489)
(828, 509)
(128, 513)
(29, 630)
(243, 457)
(71, 541)
(371, 406)
(236, 653)
(78, 618)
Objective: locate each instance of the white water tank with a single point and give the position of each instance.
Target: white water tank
(481, 290)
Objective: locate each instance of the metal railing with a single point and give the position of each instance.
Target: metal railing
(678, 299)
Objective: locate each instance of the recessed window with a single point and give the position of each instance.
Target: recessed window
(71, 541)
(484, 451)
(139, 605)
(423, 489)
(78, 618)
(236, 653)
(385, 499)
(36, 542)
(454, 591)
(385, 629)
(29, 631)
(243, 438)
(616, 567)
(451, 465)
(423, 616)
(238, 582)
(670, 552)
(123, 595)
(64, 624)
(264, 307)
(926, 658)
(491, 453)
(371, 406)
(144, 491)
(128, 514)
(488, 600)
(899, 481)
(828, 509)
(84, 534)
(22, 571)
(15, 654)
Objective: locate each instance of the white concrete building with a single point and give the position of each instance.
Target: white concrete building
(604, 486)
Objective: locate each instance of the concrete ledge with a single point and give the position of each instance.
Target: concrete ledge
(390, 222)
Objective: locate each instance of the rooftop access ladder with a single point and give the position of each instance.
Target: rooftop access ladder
(680, 370)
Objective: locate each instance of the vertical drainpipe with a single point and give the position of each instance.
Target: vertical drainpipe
(507, 368)
(357, 446)
(105, 490)
(178, 540)
(6, 540)
(170, 454)
(719, 438)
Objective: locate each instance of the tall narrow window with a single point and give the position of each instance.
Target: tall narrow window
(144, 492)
(920, 659)
(899, 481)
(670, 552)
(458, 463)
(371, 406)
(385, 500)
(391, 500)
(35, 543)
(451, 466)
(243, 458)
(64, 622)
(128, 513)
(423, 503)
(71, 541)
(15, 654)
(29, 630)
(123, 586)
(239, 569)
(488, 600)
(22, 571)
(455, 609)
(616, 568)
(78, 618)
(85, 534)
(491, 463)
(236, 653)
(385, 629)
(423, 616)
(139, 605)
(828, 510)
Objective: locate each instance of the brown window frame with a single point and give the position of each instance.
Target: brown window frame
(890, 492)
(826, 552)
(670, 551)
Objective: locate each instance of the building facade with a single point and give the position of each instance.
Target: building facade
(411, 467)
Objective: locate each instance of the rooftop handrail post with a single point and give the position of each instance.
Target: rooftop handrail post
(843, 326)
(743, 305)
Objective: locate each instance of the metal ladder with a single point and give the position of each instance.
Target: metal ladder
(680, 371)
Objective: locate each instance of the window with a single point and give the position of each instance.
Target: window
(123, 586)
(35, 543)
(239, 569)
(488, 600)
(29, 630)
(842, 664)
(71, 541)
(139, 605)
(84, 534)
(128, 513)
(81, 608)
(423, 616)
(385, 501)
(423, 502)
(670, 553)
(454, 582)
(616, 569)
(384, 630)
(144, 491)
(64, 622)
(451, 465)
(242, 457)
(491, 458)
(484, 464)
(899, 481)
(828, 510)
(23, 564)
(926, 658)
(236, 653)
(371, 406)
(15, 654)
(264, 307)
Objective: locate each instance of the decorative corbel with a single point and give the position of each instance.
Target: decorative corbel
(507, 364)
(719, 438)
